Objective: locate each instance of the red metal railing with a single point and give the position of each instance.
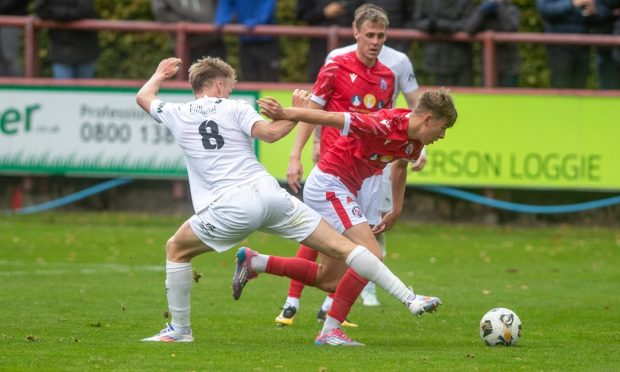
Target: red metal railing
(333, 35)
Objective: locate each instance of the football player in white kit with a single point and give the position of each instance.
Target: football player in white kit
(233, 195)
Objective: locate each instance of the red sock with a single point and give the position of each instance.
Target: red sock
(350, 286)
(292, 267)
(295, 288)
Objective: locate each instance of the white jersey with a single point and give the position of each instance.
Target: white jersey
(396, 61)
(215, 136)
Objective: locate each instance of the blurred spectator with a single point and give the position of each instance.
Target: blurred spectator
(259, 55)
(73, 53)
(323, 13)
(10, 38)
(450, 63)
(401, 16)
(501, 16)
(569, 64)
(608, 58)
(199, 11)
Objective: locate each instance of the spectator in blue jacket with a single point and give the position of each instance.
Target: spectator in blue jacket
(569, 64)
(259, 55)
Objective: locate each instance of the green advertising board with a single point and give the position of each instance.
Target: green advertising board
(511, 140)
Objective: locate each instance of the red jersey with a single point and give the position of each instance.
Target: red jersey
(345, 84)
(373, 140)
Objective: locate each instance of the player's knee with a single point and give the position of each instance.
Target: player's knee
(173, 250)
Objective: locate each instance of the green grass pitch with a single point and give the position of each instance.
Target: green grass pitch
(78, 292)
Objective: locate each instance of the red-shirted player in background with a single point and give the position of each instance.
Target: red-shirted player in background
(355, 81)
(368, 143)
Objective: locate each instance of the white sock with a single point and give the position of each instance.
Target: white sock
(259, 263)
(178, 286)
(292, 301)
(370, 267)
(327, 304)
(370, 287)
(330, 323)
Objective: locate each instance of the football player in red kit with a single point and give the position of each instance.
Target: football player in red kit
(368, 142)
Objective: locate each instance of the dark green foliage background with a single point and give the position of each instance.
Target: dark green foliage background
(134, 55)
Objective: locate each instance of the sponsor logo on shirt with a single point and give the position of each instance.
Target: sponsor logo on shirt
(411, 77)
(353, 77)
(349, 200)
(370, 101)
(383, 84)
(380, 104)
(356, 100)
(160, 107)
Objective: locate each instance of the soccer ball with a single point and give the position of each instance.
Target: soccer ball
(500, 326)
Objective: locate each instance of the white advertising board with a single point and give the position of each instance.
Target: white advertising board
(87, 131)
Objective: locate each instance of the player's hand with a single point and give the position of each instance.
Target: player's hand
(419, 164)
(168, 67)
(294, 173)
(271, 108)
(300, 98)
(386, 223)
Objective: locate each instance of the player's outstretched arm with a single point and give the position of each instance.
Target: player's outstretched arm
(279, 127)
(273, 110)
(166, 69)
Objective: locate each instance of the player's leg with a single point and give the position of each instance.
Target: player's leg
(292, 303)
(374, 196)
(180, 249)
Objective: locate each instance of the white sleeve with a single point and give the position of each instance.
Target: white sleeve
(246, 116)
(407, 82)
(347, 124)
(164, 112)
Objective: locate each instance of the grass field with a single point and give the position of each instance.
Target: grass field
(79, 290)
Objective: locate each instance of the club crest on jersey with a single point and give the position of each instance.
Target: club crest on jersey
(357, 211)
(370, 101)
(382, 84)
(409, 149)
(356, 100)
(353, 77)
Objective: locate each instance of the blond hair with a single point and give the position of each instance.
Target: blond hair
(205, 70)
(439, 103)
(372, 13)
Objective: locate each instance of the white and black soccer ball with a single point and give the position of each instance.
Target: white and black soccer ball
(500, 326)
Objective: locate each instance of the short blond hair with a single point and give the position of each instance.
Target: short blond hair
(372, 13)
(205, 70)
(439, 103)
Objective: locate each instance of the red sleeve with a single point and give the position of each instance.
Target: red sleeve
(324, 85)
(374, 124)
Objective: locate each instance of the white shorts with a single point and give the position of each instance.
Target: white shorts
(259, 205)
(375, 196)
(369, 198)
(327, 195)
